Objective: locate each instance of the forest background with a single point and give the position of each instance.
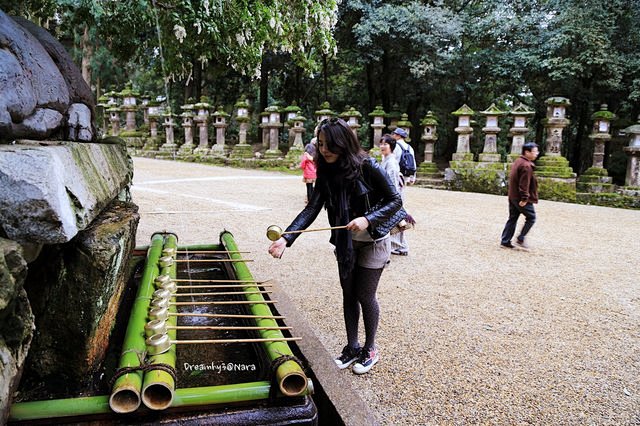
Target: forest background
(410, 56)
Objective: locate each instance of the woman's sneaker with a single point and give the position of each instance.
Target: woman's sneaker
(367, 359)
(348, 357)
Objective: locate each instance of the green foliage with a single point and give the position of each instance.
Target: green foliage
(487, 181)
(557, 189)
(420, 55)
(609, 200)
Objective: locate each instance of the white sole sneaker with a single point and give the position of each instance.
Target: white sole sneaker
(361, 369)
(342, 366)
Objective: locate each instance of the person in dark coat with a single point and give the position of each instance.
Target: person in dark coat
(523, 194)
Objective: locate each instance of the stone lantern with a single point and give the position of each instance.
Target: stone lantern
(394, 116)
(428, 172)
(274, 125)
(113, 98)
(429, 135)
(405, 125)
(264, 121)
(169, 146)
(290, 113)
(202, 121)
(242, 149)
(297, 128)
(187, 125)
(595, 179)
(324, 112)
(556, 179)
(519, 130)
(129, 106)
(491, 130)
(600, 134)
(220, 123)
(154, 115)
(103, 106)
(555, 122)
(144, 106)
(352, 117)
(464, 131)
(114, 118)
(633, 151)
(378, 116)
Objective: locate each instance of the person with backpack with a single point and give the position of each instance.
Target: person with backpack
(407, 162)
(405, 155)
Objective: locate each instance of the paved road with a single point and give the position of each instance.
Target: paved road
(469, 333)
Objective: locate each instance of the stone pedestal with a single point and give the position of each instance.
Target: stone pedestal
(203, 136)
(632, 178)
(169, 147)
(114, 119)
(187, 125)
(242, 149)
(130, 117)
(220, 146)
(490, 152)
(274, 134)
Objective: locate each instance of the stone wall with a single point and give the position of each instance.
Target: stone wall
(75, 290)
(16, 321)
(66, 242)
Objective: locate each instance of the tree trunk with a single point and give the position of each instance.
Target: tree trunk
(87, 54)
(197, 79)
(192, 89)
(264, 84)
(326, 77)
(386, 89)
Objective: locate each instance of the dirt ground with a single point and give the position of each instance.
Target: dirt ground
(469, 332)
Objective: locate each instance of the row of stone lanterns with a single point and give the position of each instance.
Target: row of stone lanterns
(198, 114)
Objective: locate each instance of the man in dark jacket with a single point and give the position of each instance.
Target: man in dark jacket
(523, 194)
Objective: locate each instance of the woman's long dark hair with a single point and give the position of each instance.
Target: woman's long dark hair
(340, 139)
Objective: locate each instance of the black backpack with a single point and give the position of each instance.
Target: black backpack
(406, 162)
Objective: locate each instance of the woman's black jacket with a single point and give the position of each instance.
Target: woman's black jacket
(374, 184)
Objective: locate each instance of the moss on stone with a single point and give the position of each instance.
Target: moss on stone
(595, 171)
(557, 189)
(609, 200)
(485, 181)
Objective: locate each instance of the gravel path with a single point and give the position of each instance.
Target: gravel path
(469, 332)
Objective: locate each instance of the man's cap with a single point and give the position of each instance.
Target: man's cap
(400, 132)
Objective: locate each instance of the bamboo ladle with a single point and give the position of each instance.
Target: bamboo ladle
(163, 314)
(274, 232)
(161, 343)
(165, 302)
(161, 327)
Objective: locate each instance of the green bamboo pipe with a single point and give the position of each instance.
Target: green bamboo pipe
(186, 397)
(291, 378)
(125, 394)
(158, 386)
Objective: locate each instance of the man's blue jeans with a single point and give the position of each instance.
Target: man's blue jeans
(514, 213)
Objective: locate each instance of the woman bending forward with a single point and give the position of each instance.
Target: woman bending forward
(357, 193)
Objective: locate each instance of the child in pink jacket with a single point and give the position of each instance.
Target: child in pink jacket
(308, 171)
